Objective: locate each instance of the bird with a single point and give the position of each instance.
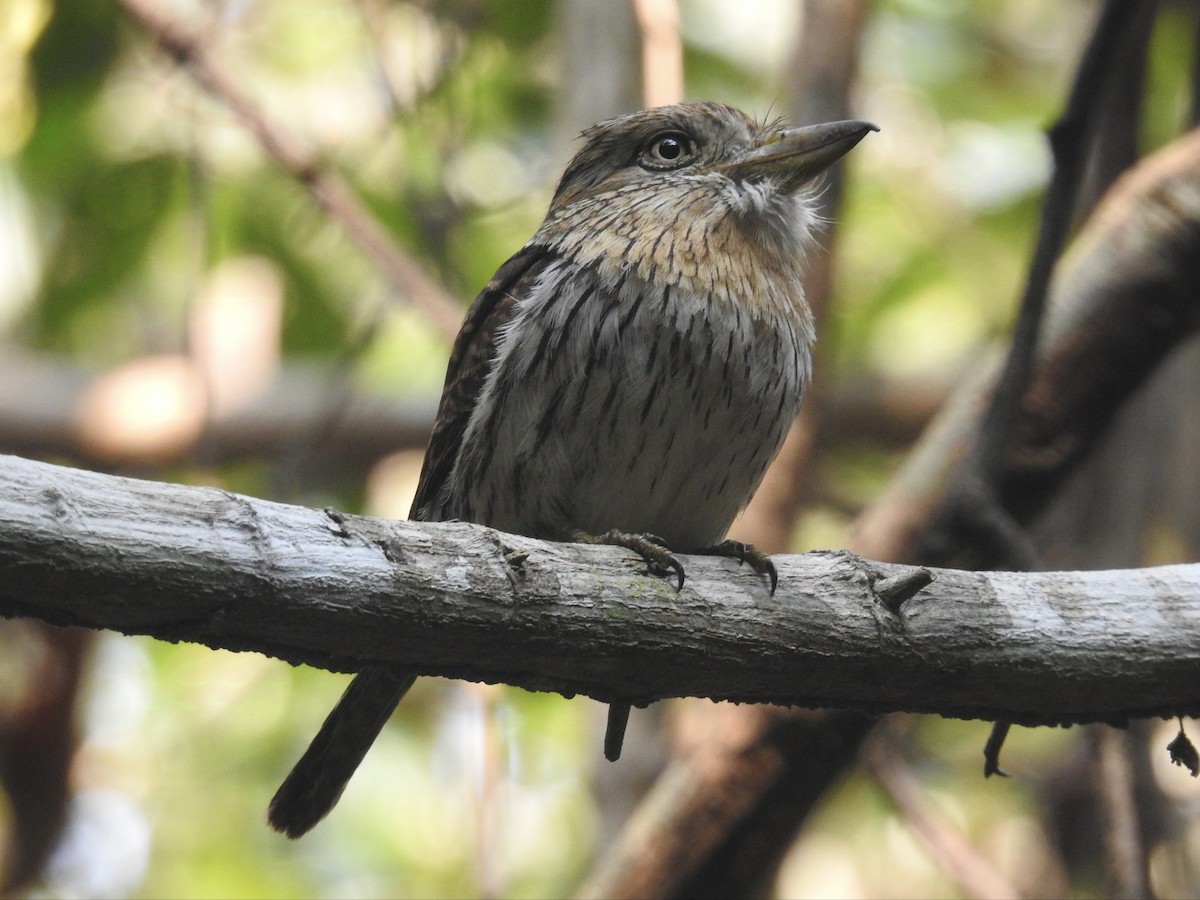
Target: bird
(626, 376)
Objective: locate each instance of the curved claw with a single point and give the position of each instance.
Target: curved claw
(771, 573)
(677, 566)
(747, 553)
(651, 548)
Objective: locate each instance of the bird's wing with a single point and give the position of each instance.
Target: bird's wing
(471, 361)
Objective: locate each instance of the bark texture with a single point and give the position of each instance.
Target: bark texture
(343, 592)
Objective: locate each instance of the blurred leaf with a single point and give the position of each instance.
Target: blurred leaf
(77, 49)
(103, 230)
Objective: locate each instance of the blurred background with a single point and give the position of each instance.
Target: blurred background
(188, 292)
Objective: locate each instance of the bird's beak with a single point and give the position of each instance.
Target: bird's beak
(795, 155)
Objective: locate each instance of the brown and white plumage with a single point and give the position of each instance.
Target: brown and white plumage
(631, 371)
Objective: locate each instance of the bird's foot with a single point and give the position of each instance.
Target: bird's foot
(650, 547)
(747, 553)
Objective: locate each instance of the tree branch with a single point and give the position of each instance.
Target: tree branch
(969, 869)
(1070, 138)
(43, 400)
(451, 599)
(1122, 301)
(326, 187)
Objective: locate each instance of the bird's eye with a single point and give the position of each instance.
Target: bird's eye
(669, 150)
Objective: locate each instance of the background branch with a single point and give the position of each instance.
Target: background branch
(328, 189)
(1123, 300)
(43, 398)
(968, 868)
(1070, 138)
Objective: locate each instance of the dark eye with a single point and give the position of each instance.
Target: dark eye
(669, 150)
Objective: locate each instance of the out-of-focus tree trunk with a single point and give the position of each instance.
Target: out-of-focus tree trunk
(602, 65)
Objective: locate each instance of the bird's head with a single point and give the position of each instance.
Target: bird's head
(672, 190)
(701, 142)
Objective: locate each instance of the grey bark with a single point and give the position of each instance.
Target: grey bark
(458, 600)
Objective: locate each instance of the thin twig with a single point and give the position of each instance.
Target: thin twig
(326, 187)
(1126, 858)
(401, 101)
(991, 750)
(1115, 141)
(952, 852)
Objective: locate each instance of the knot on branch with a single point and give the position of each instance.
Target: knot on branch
(895, 590)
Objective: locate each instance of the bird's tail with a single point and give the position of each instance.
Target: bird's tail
(316, 783)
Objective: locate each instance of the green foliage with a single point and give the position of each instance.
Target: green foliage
(77, 49)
